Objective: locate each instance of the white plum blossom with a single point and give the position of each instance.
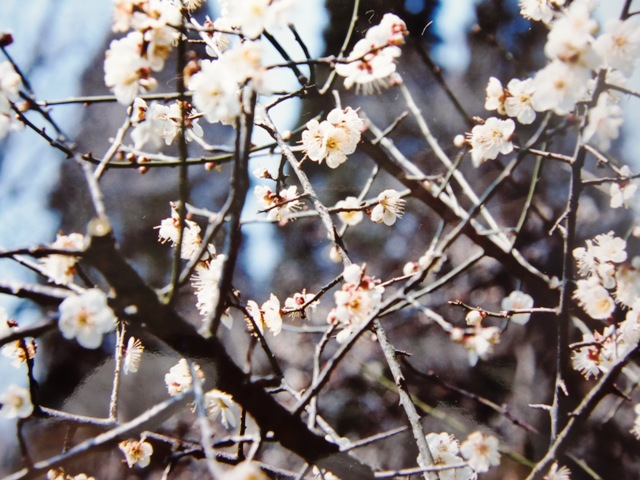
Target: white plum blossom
(220, 404)
(605, 120)
(86, 317)
(586, 360)
(570, 39)
(480, 343)
(359, 297)
(628, 283)
(390, 207)
(10, 83)
(619, 45)
(157, 122)
(205, 282)
(334, 138)
(169, 230)
(179, 378)
(445, 450)
(515, 301)
(540, 10)
(352, 217)
(16, 402)
(299, 299)
(558, 87)
(491, 138)
(594, 298)
(557, 472)
(125, 70)
(136, 452)
(269, 315)
(279, 205)
(371, 64)
(61, 268)
(495, 96)
(215, 92)
(18, 351)
(623, 191)
(255, 16)
(480, 451)
(518, 103)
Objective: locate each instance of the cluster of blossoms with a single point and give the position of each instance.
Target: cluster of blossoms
(60, 474)
(278, 205)
(477, 454)
(156, 122)
(208, 270)
(389, 207)
(359, 296)
(334, 138)
(575, 56)
(252, 17)
(477, 340)
(130, 60)
(62, 268)
(217, 86)
(217, 403)
(371, 64)
(10, 83)
(86, 317)
(268, 315)
(609, 283)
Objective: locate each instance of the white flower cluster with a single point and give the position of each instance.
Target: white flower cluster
(334, 138)
(477, 340)
(216, 402)
(479, 452)
(10, 83)
(252, 17)
(610, 282)
(575, 57)
(278, 205)
(371, 64)
(268, 315)
(156, 122)
(359, 296)
(129, 61)
(208, 269)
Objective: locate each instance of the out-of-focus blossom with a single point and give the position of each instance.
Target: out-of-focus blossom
(86, 317)
(605, 120)
(16, 402)
(61, 268)
(179, 377)
(136, 452)
(515, 301)
(220, 404)
(280, 205)
(481, 451)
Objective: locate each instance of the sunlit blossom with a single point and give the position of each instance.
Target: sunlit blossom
(220, 404)
(350, 217)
